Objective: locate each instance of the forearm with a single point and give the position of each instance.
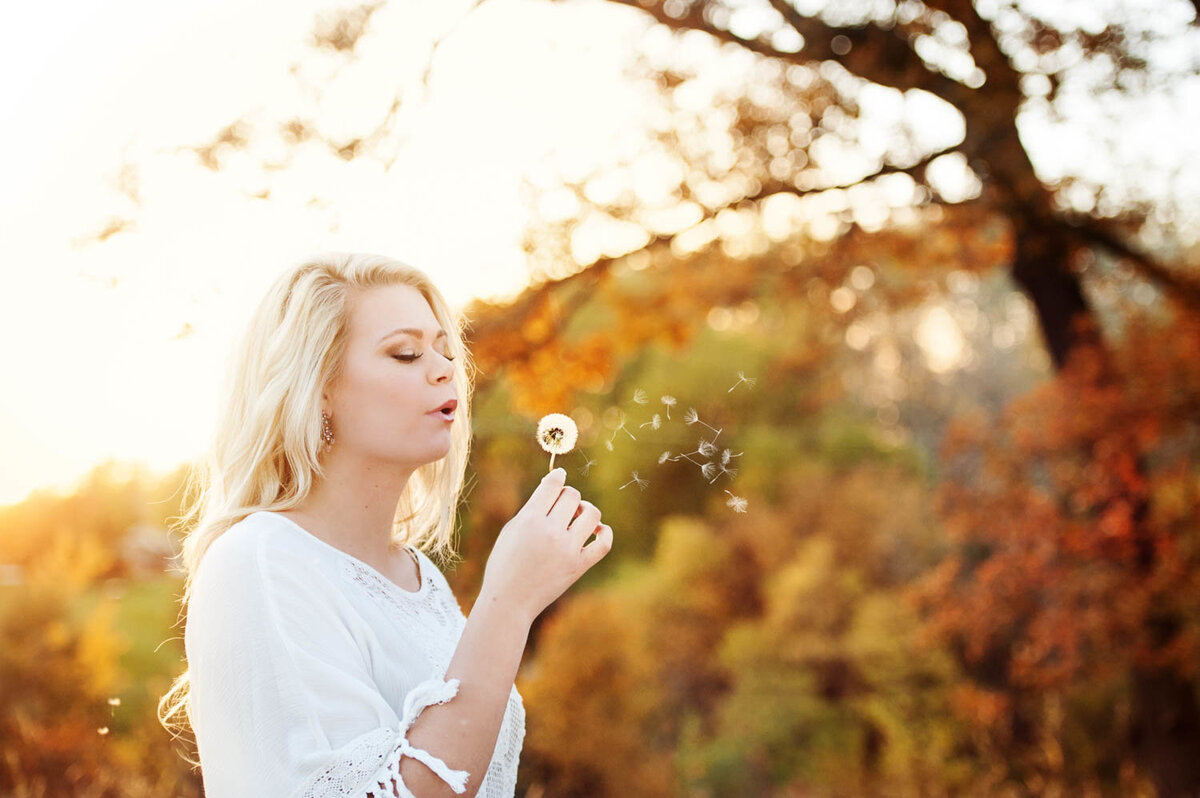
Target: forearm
(463, 731)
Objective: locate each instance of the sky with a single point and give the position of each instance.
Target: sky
(94, 366)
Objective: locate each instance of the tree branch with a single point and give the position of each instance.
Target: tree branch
(1185, 286)
(876, 54)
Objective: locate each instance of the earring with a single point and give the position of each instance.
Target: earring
(326, 431)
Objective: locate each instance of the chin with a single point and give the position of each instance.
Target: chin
(433, 456)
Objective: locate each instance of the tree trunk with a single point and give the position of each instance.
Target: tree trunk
(1041, 266)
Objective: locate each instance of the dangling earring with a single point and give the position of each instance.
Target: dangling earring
(326, 431)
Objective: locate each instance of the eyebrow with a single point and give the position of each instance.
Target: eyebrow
(413, 331)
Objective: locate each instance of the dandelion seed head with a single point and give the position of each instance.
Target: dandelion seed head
(557, 433)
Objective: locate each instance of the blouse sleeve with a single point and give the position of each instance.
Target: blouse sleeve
(281, 700)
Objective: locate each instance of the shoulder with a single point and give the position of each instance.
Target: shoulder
(259, 548)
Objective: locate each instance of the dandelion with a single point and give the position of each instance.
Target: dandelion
(664, 457)
(641, 483)
(743, 378)
(653, 423)
(736, 502)
(557, 433)
(692, 417)
(669, 401)
(639, 396)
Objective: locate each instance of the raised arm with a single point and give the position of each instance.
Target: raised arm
(537, 555)
(462, 732)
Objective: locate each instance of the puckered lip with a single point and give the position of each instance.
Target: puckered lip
(450, 404)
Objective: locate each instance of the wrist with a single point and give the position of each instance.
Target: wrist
(492, 602)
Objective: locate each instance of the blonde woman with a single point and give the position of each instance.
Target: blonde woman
(326, 653)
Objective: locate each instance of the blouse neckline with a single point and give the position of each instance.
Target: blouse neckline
(372, 571)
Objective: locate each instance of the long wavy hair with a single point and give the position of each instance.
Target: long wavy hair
(266, 447)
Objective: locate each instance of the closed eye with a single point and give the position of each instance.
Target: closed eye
(409, 358)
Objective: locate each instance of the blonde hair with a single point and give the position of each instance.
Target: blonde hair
(264, 454)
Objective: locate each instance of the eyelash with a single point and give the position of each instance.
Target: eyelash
(411, 358)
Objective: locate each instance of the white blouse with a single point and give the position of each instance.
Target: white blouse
(308, 666)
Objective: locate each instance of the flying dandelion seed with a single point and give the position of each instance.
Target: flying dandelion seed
(707, 449)
(727, 455)
(586, 467)
(732, 472)
(708, 469)
(639, 396)
(641, 483)
(653, 423)
(736, 502)
(669, 401)
(692, 417)
(557, 433)
(114, 702)
(608, 444)
(741, 375)
(103, 730)
(664, 457)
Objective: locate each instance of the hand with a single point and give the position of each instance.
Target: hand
(540, 552)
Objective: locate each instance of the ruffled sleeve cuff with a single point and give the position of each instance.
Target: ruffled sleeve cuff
(429, 692)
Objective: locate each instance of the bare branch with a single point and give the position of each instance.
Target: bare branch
(1184, 286)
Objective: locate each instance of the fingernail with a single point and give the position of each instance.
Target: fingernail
(560, 471)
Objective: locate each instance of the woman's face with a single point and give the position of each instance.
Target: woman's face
(390, 382)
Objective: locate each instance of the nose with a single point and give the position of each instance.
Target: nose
(443, 371)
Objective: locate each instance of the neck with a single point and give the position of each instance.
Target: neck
(353, 507)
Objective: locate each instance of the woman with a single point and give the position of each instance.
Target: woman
(326, 653)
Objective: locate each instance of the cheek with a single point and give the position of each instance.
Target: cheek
(384, 396)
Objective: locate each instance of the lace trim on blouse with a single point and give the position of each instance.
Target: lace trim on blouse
(374, 762)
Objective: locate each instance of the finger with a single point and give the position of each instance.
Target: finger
(602, 545)
(543, 496)
(564, 509)
(585, 522)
